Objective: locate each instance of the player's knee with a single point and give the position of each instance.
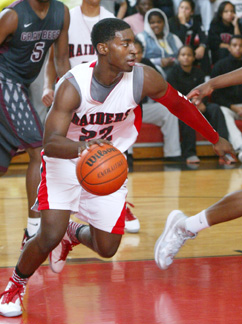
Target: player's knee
(108, 250)
(48, 243)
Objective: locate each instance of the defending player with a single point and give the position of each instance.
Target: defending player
(27, 29)
(94, 102)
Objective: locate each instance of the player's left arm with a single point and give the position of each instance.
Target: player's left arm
(161, 91)
(61, 47)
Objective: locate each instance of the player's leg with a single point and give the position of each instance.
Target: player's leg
(34, 253)
(105, 215)
(179, 227)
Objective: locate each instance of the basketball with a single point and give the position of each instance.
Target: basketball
(101, 170)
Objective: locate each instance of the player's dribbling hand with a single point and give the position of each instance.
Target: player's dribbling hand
(223, 147)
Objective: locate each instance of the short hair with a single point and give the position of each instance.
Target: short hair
(235, 37)
(105, 30)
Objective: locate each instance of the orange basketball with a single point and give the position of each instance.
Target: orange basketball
(101, 170)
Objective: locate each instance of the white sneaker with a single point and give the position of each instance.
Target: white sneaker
(11, 299)
(172, 239)
(132, 224)
(57, 257)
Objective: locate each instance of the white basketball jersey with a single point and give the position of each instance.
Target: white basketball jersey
(118, 118)
(81, 49)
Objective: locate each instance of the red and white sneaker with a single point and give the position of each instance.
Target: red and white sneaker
(11, 300)
(57, 257)
(132, 224)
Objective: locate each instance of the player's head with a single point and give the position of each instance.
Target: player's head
(113, 40)
(105, 30)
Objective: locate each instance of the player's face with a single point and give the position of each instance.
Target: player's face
(186, 57)
(121, 51)
(235, 48)
(157, 25)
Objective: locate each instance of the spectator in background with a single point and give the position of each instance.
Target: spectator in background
(136, 21)
(230, 99)
(155, 113)
(160, 46)
(191, 32)
(111, 6)
(184, 77)
(224, 25)
(166, 6)
(203, 8)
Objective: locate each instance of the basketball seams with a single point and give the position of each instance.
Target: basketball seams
(112, 179)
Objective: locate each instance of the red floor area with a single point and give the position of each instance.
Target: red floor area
(199, 291)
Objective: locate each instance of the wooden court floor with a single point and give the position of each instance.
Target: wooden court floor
(202, 286)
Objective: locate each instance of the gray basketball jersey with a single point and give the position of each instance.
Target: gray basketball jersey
(22, 57)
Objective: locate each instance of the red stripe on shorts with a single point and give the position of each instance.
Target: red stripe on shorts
(43, 192)
(119, 226)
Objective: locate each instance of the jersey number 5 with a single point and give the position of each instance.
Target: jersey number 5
(38, 52)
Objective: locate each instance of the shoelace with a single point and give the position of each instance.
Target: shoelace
(66, 248)
(177, 243)
(14, 290)
(129, 215)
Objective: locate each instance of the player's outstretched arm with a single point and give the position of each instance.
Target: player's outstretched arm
(221, 81)
(159, 90)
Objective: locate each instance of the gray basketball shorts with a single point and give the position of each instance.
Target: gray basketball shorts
(20, 126)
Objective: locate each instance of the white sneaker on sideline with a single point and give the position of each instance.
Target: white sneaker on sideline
(172, 239)
(11, 299)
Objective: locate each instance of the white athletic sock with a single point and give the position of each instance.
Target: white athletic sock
(197, 222)
(33, 225)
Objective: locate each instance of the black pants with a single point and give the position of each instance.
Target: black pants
(215, 117)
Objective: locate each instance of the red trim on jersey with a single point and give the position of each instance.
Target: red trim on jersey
(42, 191)
(182, 108)
(93, 64)
(138, 118)
(119, 226)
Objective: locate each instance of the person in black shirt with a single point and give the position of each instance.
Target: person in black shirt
(184, 77)
(224, 25)
(230, 99)
(191, 32)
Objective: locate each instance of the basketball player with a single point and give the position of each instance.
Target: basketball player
(94, 103)
(179, 228)
(82, 20)
(27, 29)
